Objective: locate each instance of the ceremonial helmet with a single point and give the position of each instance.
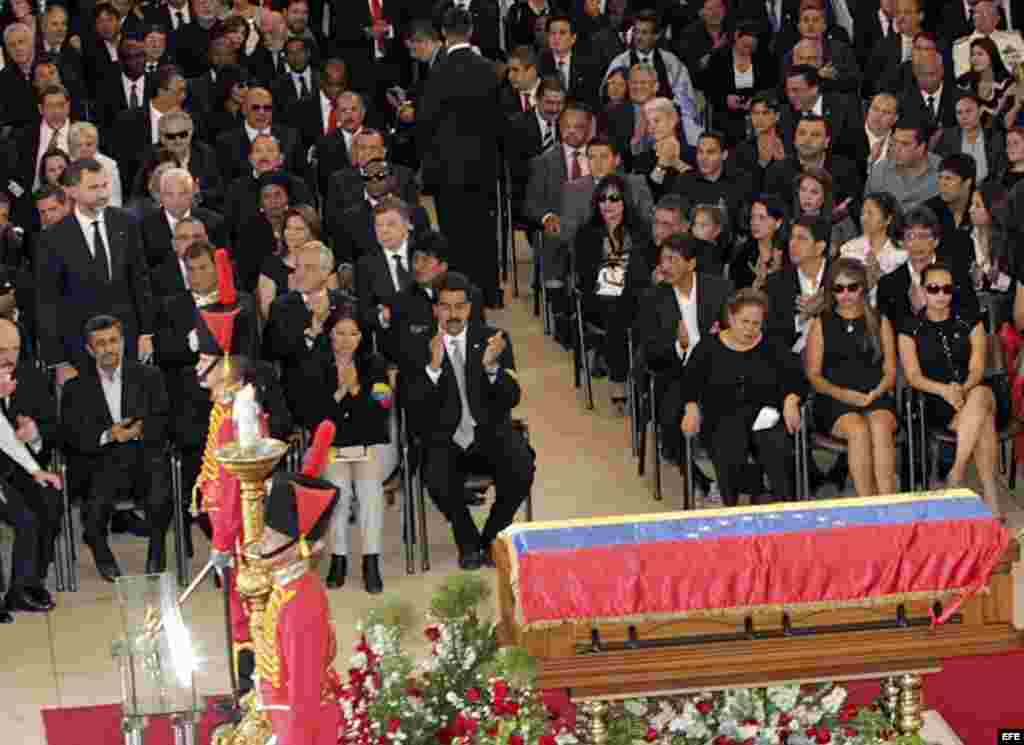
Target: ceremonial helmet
(225, 327)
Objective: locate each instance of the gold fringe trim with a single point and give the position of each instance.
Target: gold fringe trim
(741, 611)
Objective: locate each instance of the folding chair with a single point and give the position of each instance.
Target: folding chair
(808, 441)
(66, 554)
(409, 466)
(183, 564)
(474, 481)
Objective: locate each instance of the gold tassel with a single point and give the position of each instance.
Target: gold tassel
(303, 547)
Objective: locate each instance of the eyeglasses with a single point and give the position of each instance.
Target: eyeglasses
(936, 289)
(918, 235)
(177, 135)
(264, 108)
(839, 288)
(612, 197)
(377, 176)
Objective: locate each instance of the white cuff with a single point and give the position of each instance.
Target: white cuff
(105, 438)
(434, 375)
(193, 340)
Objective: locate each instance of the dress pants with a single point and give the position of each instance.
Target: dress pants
(129, 470)
(365, 477)
(34, 511)
(729, 442)
(502, 452)
(468, 217)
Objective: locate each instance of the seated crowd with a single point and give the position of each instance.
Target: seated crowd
(775, 209)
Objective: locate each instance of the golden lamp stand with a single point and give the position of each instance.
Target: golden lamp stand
(254, 583)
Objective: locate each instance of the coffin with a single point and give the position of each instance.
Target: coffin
(834, 589)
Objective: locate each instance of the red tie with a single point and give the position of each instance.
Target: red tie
(332, 120)
(377, 9)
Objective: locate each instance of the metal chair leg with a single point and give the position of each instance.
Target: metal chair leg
(67, 549)
(584, 359)
(183, 564)
(689, 499)
(421, 490)
(657, 444)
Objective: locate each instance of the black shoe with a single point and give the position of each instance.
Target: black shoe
(18, 600)
(106, 564)
(336, 574)
(6, 617)
(371, 574)
(41, 596)
(126, 521)
(470, 560)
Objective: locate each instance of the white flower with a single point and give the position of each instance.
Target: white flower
(566, 738)
(746, 732)
(784, 697)
(833, 702)
(358, 660)
(452, 698)
(635, 707)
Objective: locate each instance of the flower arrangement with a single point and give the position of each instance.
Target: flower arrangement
(470, 691)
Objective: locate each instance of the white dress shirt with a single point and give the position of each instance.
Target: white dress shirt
(17, 450)
(111, 50)
(252, 134)
(112, 387)
(154, 124)
(325, 115)
(114, 174)
(872, 139)
(137, 85)
(688, 312)
(182, 13)
(297, 77)
(402, 251)
(808, 287)
(936, 99)
(885, 22)
(86, 224)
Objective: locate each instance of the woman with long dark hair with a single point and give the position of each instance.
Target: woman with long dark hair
(880, 218)
(349, 385)
(301, 225)
(765, 252)
(813, 197)
(226, 107)
(989, 80)
(601, 249)
(994, 266)
(851, 362)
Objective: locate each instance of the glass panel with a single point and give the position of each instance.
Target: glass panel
(156, 655)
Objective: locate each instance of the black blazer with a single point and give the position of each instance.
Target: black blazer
(721, 83)
(69, 291)
(192, 48)
(357, 236)
(658, 323)
(32, 398)
(284, 341)
(85, 415)
(783, 289)
(843, 112)
(414, 325)
(459, 122)
(18, 106)
(435, 409)
(202, 164)
(286, 97)
(912, 104)
(894, 295)
(242, 200)
(157, 239)
(347, 190)
(190, 412)
(359, 420)
(486, 31)
(131, 139)
(111, 101)
(233, 151)
(585, 75)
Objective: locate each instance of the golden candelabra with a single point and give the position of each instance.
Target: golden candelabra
(251, 466)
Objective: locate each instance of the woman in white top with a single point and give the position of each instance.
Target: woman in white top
(83, 142)
(880, 218)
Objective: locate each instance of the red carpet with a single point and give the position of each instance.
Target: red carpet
(101, 725)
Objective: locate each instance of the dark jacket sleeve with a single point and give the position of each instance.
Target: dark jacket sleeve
(504, 393)
(82, 429)
(158, 408)
(141, 288)
(273, 402)
(171, 341)
(282, 339)
(696, 372)
(49, 291)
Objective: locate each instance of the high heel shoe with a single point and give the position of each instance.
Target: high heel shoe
(371, 574)
(337, 572)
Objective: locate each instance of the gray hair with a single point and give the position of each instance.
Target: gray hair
(176, 173)
(326, 254)
(174, 116)
(75, 134)
(661, 104)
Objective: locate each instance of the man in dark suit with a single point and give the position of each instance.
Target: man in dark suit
(89, 264)
(50, 133)
(123, 86)
(580, 76)
(925, 97)
(177, 134)
(673, 317)
(100, 51)
(177, 351)
(18, 106)
(796, 291)
(353, 233)
(177, 195)
(56, 45)
(892, 50)
(486, 24)
(115, 415)
(900, 294)
(191, 42)
(458, 125)
(170, 277)
(298, 82)
(427, 50)
(219, 54)
(295, 323)
(32, 503)
(803, 89)
(460, 405)
(233, 146)
(716, 181)
(368, 37)
(317, 117)
(334, 151)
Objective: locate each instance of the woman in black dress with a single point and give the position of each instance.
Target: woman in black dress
(851, 363)
(743, 392)
(944, 356)
(349, 385)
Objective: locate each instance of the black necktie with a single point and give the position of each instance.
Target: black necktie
(931, 106)
(5, 405)
(303, 88)
(133, 102)
(400, 271)
(99, 252)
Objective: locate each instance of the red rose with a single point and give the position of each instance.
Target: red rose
(704, 707)
(652, 734)
(547, 740)
(824, 736)
(473, 695)
(499, 691)
(811, 732)
(784, 719)
(848, 713)
(445, 735)
(515, 740)
(433, 633)
(414, 691)
(850, 731)
(511, 708)
(753, 722)
(493, 731)
(394, 724)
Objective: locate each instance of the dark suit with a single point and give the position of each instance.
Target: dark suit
(98, 62)
(780, 177)
(70, 289)
(201, 90)
(202, 164)
(131, 138)
(158, 240)
(233, 149)
(913, 105)
(357, 236)
(18, 106)
(33, 510)
(655, 335)
(286, 95)
(951, 141)
(843, 112)
(347, 190)
(192, 49)
(111, 101)
(721, 83)
(435, 410)
(348, 38)
(242, 201)
(27, 144)
(894, 290)
(486, 32)
(136, 468)
(284, 341)
(458, 126)
(783, 290)
(584, 75)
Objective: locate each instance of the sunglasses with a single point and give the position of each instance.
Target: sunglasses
(378, 176)
(918, 235)
(264, 108)
(936, 289)
(613, 198)
(839, 288)
(177, 135)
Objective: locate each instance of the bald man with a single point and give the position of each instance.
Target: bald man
(233, 146)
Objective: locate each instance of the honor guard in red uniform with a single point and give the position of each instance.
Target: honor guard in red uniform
(221, 327)
(295, 648)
